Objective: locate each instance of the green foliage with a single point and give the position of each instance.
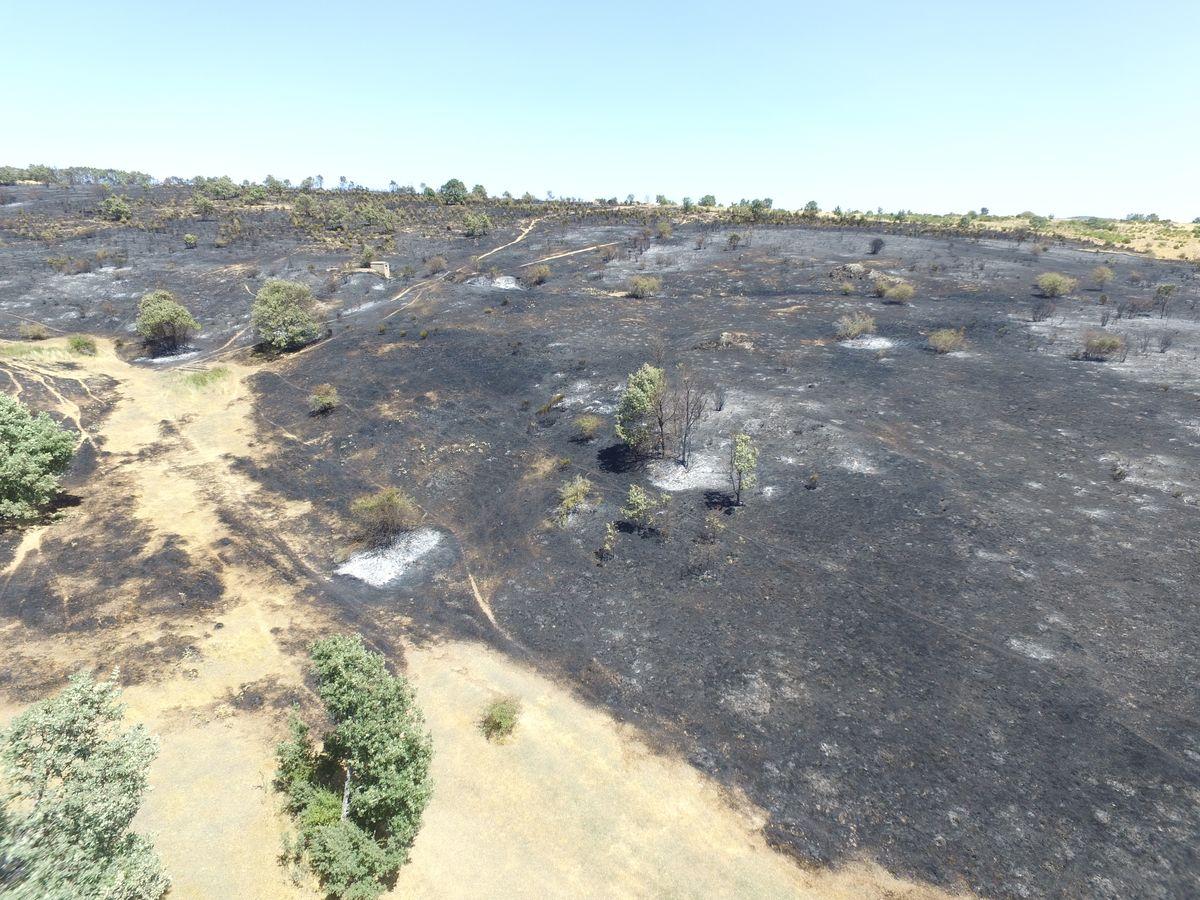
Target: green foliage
(34, 454)
(73, 782)
(743, 465)
(571, 496)
(708, 200)
(638, 508)
(382, 516)
(500, 718)
(164, 324)
(476, 224)
(635, 410)
(453, 192)
(358, 801)
(587, 426)
(1054, 284)
(642, 286)
(1101, 345)
(203, 207)
(205, 377)
(82, 345)
(663, 230)
(947, 340)
(324, 399)
(282, 315)
(854, 325)
(190, 241)
(116, 209)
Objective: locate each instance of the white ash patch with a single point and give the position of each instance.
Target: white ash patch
(874, 342)
(383, 566)
(858, 464)
(704, 471)
(1030, 649)
(167, 360)
(499, 283)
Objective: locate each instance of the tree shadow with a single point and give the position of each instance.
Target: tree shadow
(618, 458)
(720, 500)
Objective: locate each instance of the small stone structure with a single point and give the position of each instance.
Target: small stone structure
(381, 267)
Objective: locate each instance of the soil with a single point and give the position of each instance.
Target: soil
(963, 654)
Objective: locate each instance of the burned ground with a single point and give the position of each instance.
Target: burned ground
(966, 649)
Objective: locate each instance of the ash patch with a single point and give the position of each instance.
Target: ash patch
(386, 565)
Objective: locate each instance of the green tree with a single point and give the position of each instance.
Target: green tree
(74, 781)
(743, 465)
(282, 315)
(636, 420)
(708, 200)
(34, 454)
(358, 801)
(116, 209)
(164, 323)
(453, 192)
(479, 193)
(476, 224)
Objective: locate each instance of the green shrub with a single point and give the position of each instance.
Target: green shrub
(743, 465)
(1101, 345)
(636, 418)
(82, 345)
(854, 325)
(639, 507)
(587, 426)
(376, 756)
(476, 224)
(382, 516)
(664, 231)
(500, 718)
(571, 496)
(1054, 284)
(537, 274)
(282, 315)
(190, 241)
(34, 454)
(164, 324)
(947, 340)
(116, 209)
(324, 399)
(642, 286)
(33, 331)
(1102, 275)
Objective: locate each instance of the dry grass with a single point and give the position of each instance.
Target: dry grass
(947, 340)
(855, 325)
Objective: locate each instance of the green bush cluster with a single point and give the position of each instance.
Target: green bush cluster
(164, 323)
(357, 802)
(282, 315)
(34, 454)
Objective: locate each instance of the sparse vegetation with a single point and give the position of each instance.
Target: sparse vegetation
(896, 291)
(587, 426)
(164, 323)
(205, 377)
(642, 510)
(116, 209)
(571, 496)
(34, 454)
(282, 315)
(643, 286)
(538, 274)
(1101, 276)
(33, 331)
(323, 400)
(947, 340)
(743, 465)
(1101, 346)
(476, 224)
(81, 345)
(1055, 284)
(358, 800)
(381, 517)
(500, 718)
(435, 265)
(855, 325)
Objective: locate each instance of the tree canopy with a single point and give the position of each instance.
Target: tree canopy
(74, 779)
(282, 315)
(34, 453)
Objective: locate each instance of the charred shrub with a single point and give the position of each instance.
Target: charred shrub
(536, 275)
(323, 400)
(876, 246)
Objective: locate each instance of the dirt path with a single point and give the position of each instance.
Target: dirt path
(574, 804)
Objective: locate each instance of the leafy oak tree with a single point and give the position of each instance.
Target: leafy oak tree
(163, 322)
(282, 315)
(34, 453)
(74, 778)
(743, 465)
(358, 800)
(637, 422)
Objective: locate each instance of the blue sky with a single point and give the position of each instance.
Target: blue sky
(1065, 108)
